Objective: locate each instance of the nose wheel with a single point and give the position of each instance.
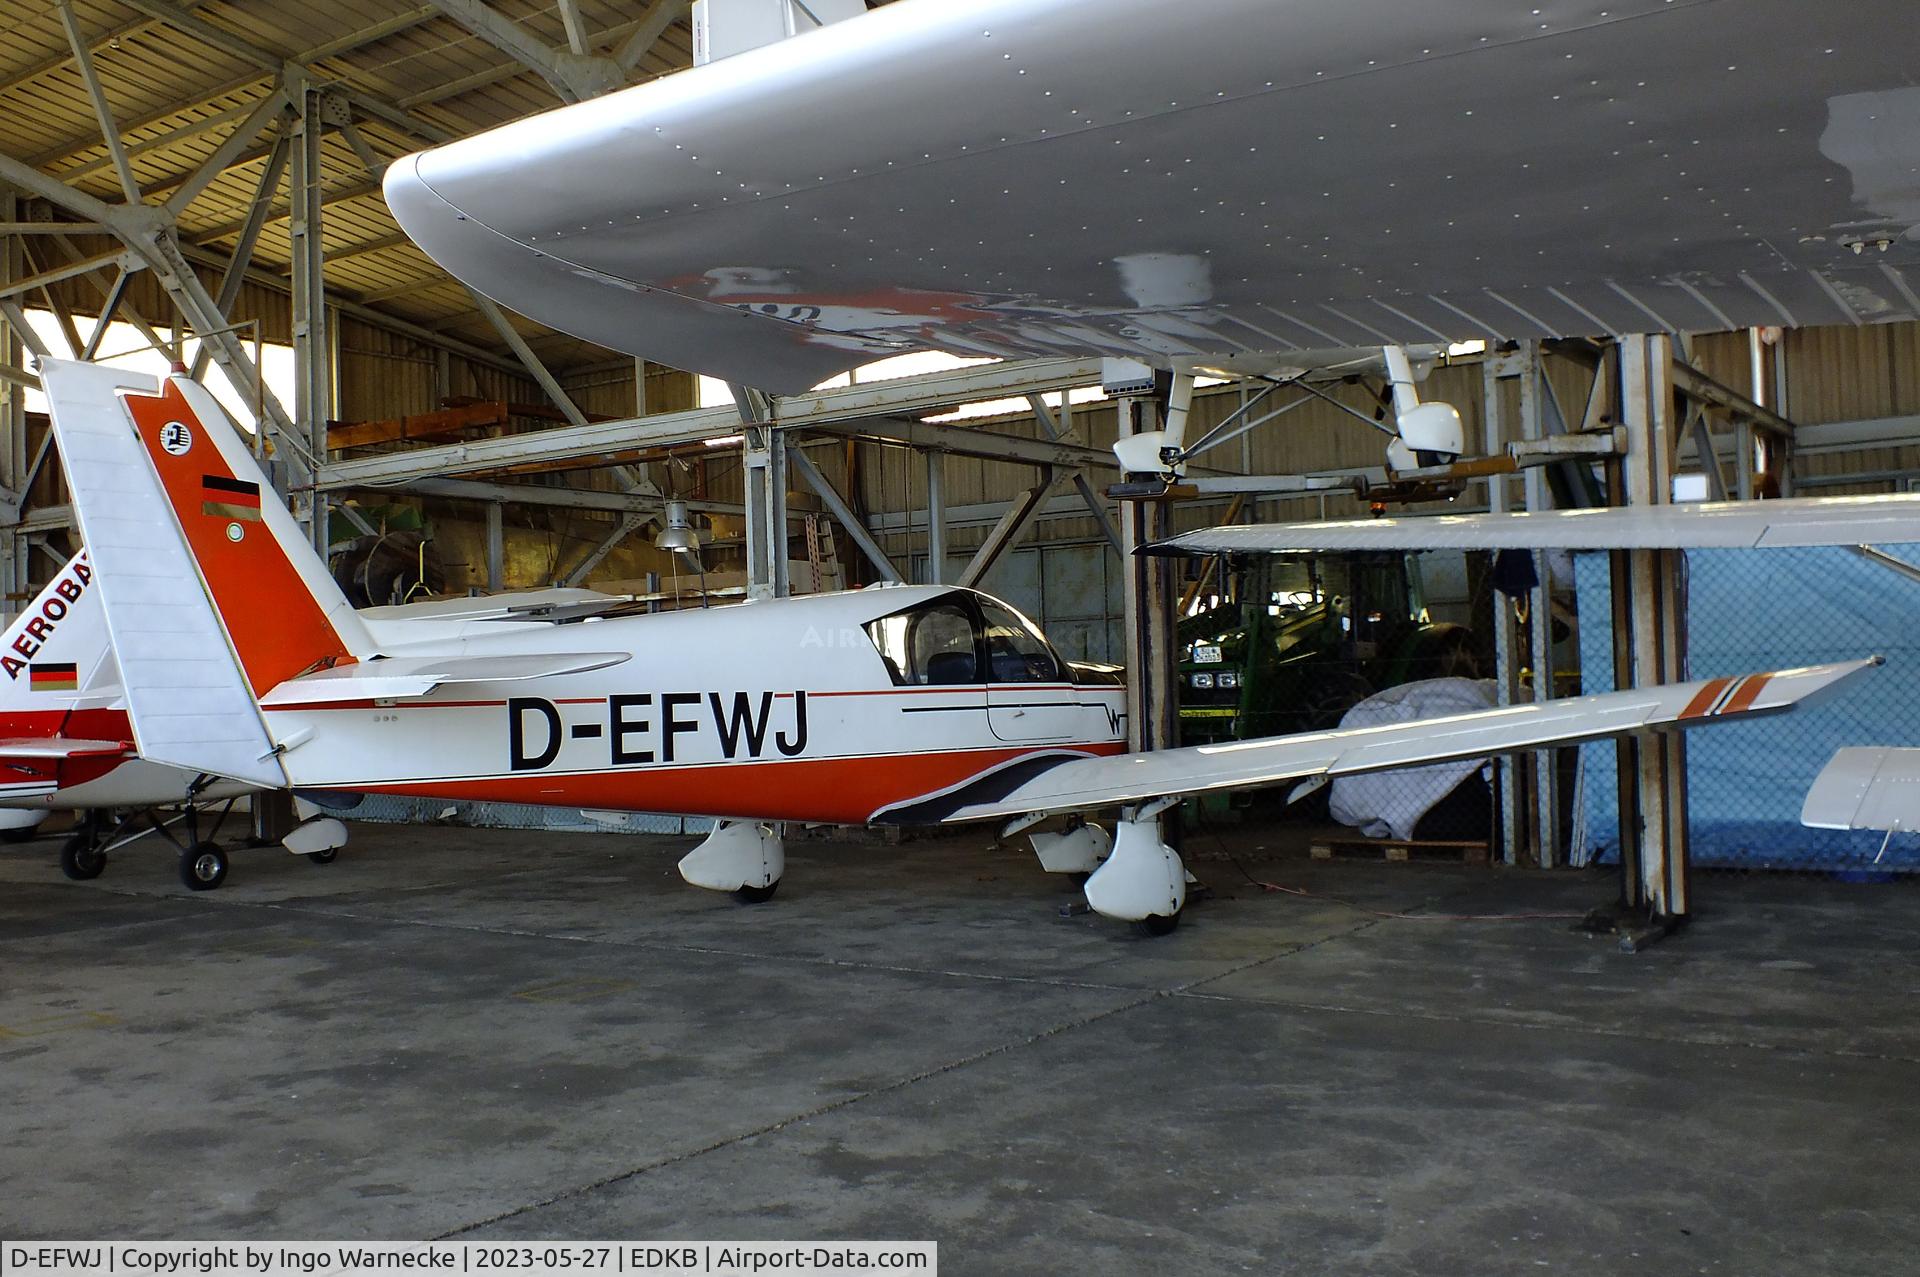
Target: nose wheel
(756, 895)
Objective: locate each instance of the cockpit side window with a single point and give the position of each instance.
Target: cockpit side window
(932, 645)
(1016, 650)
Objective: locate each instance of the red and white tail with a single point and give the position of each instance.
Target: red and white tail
(211, 594)
(278, 603)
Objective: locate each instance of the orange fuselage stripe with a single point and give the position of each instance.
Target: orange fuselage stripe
(829, 790)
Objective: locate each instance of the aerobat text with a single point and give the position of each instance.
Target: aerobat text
(53, 606)
(644, 727)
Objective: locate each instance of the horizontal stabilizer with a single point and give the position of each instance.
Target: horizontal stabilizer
(1798, 521)
(1078, 784)
(1866, 787)
(30, 766)
(557, 603)
(404, 677)
(60, 747)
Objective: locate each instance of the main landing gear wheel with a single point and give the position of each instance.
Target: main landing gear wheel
(1159, 924)
(203, 866)
(326, 857)
(756, 895)
(81, 858)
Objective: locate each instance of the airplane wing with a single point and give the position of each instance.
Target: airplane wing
(404, 677)
(1166, 182)
(1797, 521)
(1056, 784)
(1866, 787)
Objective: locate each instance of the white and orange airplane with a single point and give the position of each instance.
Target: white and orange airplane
(66, 744)
(240, 658)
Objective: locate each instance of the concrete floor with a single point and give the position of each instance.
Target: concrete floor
(489, 1034)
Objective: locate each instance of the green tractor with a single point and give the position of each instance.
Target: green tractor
(1292, 644)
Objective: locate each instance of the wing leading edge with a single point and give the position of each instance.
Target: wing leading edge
(1080, 784)
(1796, 521)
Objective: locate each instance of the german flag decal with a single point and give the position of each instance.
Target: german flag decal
(229, 498)
(54, 676)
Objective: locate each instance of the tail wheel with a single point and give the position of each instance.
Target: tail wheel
(81, 858)
(203, 866)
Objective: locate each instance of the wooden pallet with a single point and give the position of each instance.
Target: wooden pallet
(1464, 852)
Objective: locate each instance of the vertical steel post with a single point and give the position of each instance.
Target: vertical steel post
(936, 518)
(14, 568)
(496, 547)
(764, 458)
(1546, 771)
(1148, 607)
(1508, 768)
(1657, 889)
(312, 353)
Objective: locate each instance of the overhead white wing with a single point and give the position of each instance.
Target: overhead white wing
(1206, 180)
(1076, 784)
(1866, 787)
(1797, 521)
(405, 677)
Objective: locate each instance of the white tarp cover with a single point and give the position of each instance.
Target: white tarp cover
(1390, 804)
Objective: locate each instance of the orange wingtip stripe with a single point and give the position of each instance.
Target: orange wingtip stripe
(1697, 707)
(1747, 695)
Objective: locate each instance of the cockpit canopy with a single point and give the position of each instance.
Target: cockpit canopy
(964, 638)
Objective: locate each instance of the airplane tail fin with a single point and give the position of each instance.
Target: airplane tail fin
(54, 653)
(276, 599)
(211, 594)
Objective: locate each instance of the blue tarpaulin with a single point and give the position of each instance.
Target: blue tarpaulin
(1753, 610)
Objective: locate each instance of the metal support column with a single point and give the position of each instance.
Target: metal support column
(13, 424)
(312, 362)
(763, 464)
(936, 518)
(496, 547)
(1545, 762)
(1152, 709)
(1508, 768)
(1653, 812)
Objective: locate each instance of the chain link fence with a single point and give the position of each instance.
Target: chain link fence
(1750, 610)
